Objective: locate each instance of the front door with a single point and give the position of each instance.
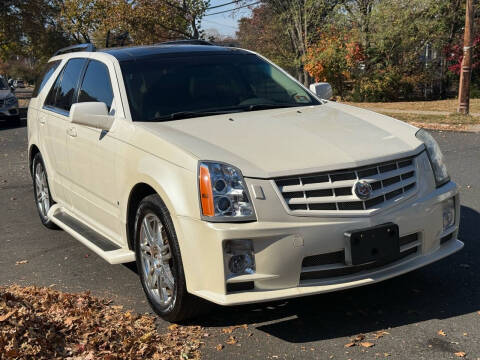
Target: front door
(91, 156)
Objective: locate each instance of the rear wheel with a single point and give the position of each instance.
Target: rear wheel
(41, 191)
(160, 264)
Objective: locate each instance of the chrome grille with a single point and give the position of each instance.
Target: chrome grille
(333, 191)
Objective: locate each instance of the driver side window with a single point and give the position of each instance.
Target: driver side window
(96, 84)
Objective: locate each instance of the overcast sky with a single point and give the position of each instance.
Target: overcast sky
(225, 23)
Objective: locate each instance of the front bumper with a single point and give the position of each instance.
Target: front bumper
(9, 111)
(281, 246)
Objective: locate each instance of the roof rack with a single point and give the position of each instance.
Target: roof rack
(75, 48)
(186, 42)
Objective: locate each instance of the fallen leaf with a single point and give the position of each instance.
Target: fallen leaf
(350, 344)
(441, 333)
(381, 333)
(386, 354)
(87, 327)
(231, 340)
(460, 354)
(219, 347)
(7, 315)
(367, 344)
(69, 321)
(172, 327)
(359, 337)
(21, 262)
(146, 337)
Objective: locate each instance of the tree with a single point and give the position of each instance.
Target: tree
(335, 58)
(264, 33)
(302, 19)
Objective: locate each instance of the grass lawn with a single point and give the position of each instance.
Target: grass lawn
(452, 119)
(438, 105)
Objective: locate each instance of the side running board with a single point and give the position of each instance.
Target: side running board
(103, 247)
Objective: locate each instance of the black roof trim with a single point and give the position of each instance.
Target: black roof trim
(75, 48)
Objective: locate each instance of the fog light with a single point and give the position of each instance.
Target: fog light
(240, 257)
(239, 264)
(448, 214)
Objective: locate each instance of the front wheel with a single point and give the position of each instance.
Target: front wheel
(14, 121)
(160, 265)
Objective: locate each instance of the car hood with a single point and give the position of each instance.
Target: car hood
(281, 142)
(4, 93)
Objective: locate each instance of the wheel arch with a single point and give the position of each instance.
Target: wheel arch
(137, 193)
(32, 151)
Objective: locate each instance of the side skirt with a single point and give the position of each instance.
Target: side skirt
(99, 244)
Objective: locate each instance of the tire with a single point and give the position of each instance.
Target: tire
(14, 121)
(41, 191)
(165, 287)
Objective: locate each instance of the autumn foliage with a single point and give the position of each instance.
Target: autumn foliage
(334, 58)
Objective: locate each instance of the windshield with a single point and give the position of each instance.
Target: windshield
(165, 88)
(3, 85)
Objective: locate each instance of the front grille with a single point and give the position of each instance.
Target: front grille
(333, 191)
(1, 102)
(330, 265)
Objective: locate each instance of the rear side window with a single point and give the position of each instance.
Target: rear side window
(61, 95)
(96, 85)
(45, 76)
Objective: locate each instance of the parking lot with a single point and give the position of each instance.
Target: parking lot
(431, 313)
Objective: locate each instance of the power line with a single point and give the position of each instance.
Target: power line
(237, 8)
(222, 5)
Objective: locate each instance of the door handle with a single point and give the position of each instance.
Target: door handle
(72, 131)
(42, 119)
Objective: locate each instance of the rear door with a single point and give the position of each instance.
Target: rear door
(55, 117)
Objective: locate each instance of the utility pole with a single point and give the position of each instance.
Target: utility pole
(465, 75)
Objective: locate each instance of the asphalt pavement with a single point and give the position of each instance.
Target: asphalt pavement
(411, 309)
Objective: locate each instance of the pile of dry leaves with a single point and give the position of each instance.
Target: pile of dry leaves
(42, 323)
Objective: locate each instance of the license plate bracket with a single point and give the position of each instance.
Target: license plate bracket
(376, 244)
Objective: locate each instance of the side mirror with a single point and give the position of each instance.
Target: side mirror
(323, 90)
(93, 114)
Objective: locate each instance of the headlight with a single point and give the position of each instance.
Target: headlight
(436, 157)
(10, 100)
(223, 193)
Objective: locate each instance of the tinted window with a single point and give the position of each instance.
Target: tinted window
(71, 75)
(50, 100)
(96, 84)
(158, 87)
(45, 76)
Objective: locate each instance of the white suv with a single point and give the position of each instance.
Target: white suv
(227, 180)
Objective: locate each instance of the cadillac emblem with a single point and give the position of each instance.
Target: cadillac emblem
(362, 189)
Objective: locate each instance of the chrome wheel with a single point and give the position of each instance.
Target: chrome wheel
(41, 188)
(156, 259)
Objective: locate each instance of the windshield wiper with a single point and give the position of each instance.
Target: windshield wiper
(268, 106)
(190, 114)
(186, 114)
